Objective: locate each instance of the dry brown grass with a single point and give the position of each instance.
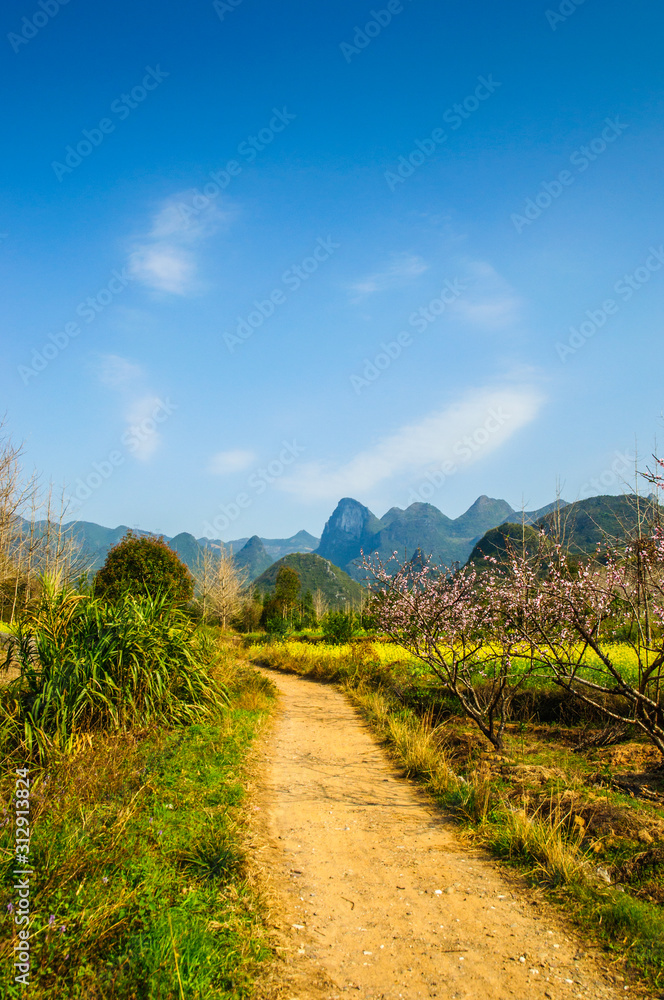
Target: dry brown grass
(544, 836)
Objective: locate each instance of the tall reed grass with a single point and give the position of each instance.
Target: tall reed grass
(86, 666)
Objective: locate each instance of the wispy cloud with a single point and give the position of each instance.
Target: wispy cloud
(490, 303)
(166, 258)
(417, 448)
(142, 411)
(116, 372)
(142, 427)
(401, 269)
(165, 268)
(225, 462)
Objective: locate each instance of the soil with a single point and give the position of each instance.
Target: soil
(375, 894)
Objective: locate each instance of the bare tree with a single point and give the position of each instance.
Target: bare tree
(220, 585)
(15, 495)
(320, 603)
(34, 541)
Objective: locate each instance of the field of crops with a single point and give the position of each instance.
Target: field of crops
(322, 659)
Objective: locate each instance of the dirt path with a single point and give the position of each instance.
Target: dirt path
(374, 891)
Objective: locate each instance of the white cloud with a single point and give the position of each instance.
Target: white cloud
(189, 216)
(142, 428)
(165, 259)
(164, 268)
(462, 433)
(225, 462)
(143, 412)
(401, 269)
(118, 373)
(489, 303)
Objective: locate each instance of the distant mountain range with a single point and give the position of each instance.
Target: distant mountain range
(94, 541)
(275, 547)
(353, 529)
(580, 527)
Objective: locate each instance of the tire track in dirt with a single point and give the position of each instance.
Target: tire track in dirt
(374, 892)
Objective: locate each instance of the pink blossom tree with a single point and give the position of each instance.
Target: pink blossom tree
(571, 610)
(445, 619)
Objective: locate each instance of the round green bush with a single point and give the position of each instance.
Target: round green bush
(143, 566)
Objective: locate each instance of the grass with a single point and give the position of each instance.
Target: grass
(544, 807)
(140, 889)
(88, 666)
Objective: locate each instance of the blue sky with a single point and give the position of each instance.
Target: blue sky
(257, 257)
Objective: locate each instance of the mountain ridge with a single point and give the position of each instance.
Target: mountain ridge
(580, 527)
(353, 529)
(95, 540)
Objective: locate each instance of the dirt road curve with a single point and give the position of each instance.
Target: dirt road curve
(375, 895)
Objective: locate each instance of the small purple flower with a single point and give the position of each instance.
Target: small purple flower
(160, 832)
(62, 929)
(10, 907)
(105, 879)
(51, 920)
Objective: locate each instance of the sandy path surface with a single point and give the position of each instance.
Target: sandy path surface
(374, 893)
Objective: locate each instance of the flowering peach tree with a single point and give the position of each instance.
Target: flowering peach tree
(449, 622)
(579, 618)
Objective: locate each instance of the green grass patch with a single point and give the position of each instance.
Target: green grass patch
(140, 888)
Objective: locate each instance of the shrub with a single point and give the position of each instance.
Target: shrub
(248, 618)
(91, 666)
(277, 625)
(339, 626)
(143, 566)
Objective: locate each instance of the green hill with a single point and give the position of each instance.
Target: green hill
(316, 573)
(495, 543)
(580, 527)
(484, 514)
(187, 548)
(253, 558)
